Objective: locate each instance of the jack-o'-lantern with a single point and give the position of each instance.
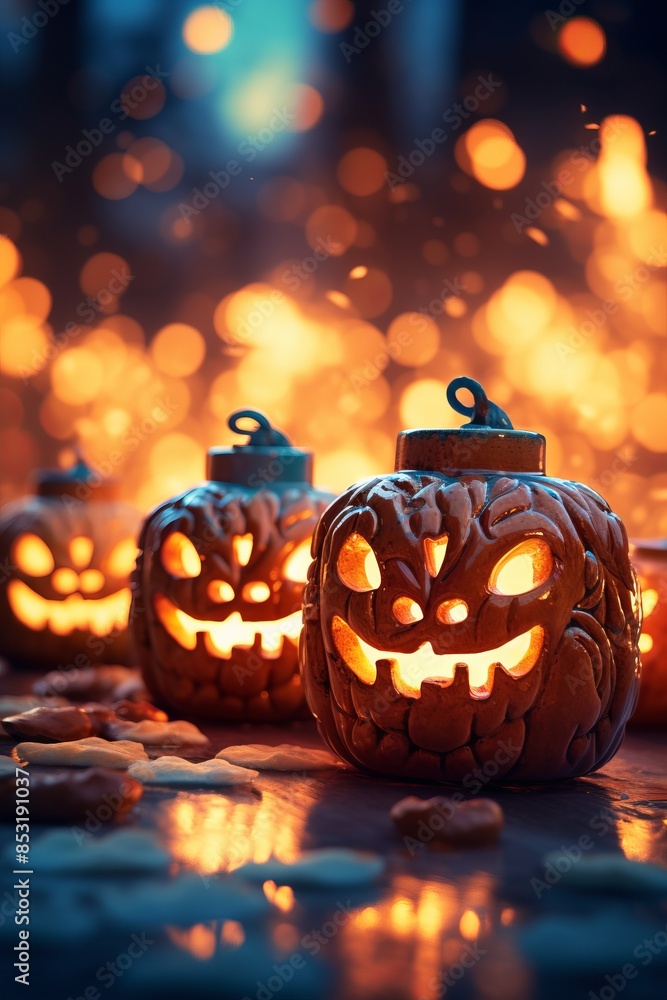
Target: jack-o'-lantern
(650, 561)
(467, 616)
(67, 553)
(219, 581)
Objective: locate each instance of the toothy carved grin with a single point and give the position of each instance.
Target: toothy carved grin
(97, 615)
(221, 638)
(516, 657)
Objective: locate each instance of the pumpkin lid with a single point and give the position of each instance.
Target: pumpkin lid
(488, 443)
(78, 482)
(267, 460)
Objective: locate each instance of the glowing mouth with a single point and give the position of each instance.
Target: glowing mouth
(221, 637)
(101, 616)
(516, 657)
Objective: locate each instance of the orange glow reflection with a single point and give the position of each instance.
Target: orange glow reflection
(211, 833)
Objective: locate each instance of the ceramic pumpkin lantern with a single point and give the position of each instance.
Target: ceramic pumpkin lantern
(68, 551)
(650, 561)
(468, 614)
(218, 584)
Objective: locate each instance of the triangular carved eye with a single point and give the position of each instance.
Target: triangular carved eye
(357, 566)
(435, 550)
(243, 548)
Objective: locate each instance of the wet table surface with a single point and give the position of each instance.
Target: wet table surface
(492, 923)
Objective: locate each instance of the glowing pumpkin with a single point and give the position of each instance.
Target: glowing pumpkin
(650, 560)
(467, 614)
(218, 586)
(68, 552)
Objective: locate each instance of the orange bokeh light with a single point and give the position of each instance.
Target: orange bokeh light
(361, 171)
(582, 41)
(207, 29)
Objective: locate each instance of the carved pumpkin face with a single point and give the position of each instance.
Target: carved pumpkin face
(67, 590)
(218, 594)
(453, 623)
(650, 560)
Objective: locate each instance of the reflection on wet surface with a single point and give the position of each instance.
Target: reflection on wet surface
(213, 833)
(438, 923)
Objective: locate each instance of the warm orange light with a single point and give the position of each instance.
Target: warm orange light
(32, 555)
(357, 564)
(469, 925)
(199, 940)
(307, 106)
(243, 548)
(91, 581)
(102, 616)
(582, 41)
(179, 556)
(490, 153)
(122, 558)
(406, 611)
(220, 591)
(256, 592)
(624, 186)
(178, 349)
(81, 551)
(413, 339)
(527, 566)
(435, 550)
(649, 601)
(361, 171)
(516, 657)
(220, 638)
(295, 567)
(452, 612)
(207, 29)
(65, 581)
(645, 643)
(10, 261)
(232, 934)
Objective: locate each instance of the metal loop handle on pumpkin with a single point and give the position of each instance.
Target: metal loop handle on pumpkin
(483, 412)
(263, 435)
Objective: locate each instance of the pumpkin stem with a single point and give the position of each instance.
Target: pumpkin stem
(483, 412)
(264, 435)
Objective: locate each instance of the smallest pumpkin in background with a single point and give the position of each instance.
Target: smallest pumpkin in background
(70, 549)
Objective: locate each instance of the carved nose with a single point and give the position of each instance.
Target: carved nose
(452, 612)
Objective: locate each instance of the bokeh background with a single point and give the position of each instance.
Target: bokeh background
(328, 210)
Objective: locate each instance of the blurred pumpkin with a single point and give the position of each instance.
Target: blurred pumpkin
(67, 553)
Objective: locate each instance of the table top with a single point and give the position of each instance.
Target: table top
(493, 923)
